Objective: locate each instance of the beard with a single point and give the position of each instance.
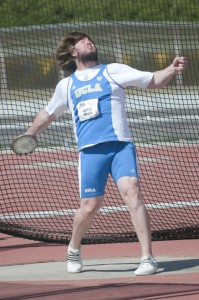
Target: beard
(91, 56)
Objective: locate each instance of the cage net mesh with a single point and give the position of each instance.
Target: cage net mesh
(39, 192)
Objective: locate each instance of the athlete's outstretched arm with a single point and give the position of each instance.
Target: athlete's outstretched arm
(42, 120)
(163, 77)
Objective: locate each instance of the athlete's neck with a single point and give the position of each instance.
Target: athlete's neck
(86, 65)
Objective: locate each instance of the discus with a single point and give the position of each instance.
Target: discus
(24, 144)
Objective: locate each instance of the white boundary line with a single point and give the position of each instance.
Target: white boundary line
(104, 210)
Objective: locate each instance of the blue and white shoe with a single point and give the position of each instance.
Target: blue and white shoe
(148, 266)
(74, 260)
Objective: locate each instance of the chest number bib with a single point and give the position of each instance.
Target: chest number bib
(88, 109)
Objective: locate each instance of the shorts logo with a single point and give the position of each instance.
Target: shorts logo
(90, 190)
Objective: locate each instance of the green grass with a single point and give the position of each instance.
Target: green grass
(36, 12)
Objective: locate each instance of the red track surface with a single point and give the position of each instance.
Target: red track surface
(182, 286)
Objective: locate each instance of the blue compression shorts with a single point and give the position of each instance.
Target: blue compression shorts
(97, 162)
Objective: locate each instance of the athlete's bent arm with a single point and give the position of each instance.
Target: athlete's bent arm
(42, 121)
(163, 77)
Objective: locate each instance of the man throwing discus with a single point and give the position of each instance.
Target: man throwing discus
(95, 94)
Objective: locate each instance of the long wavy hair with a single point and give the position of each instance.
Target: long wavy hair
(65, 47)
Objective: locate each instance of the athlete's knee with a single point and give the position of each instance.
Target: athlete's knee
(90, 206)
(129, 187)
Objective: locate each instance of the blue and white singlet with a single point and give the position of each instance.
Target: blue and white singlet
(96, 98)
